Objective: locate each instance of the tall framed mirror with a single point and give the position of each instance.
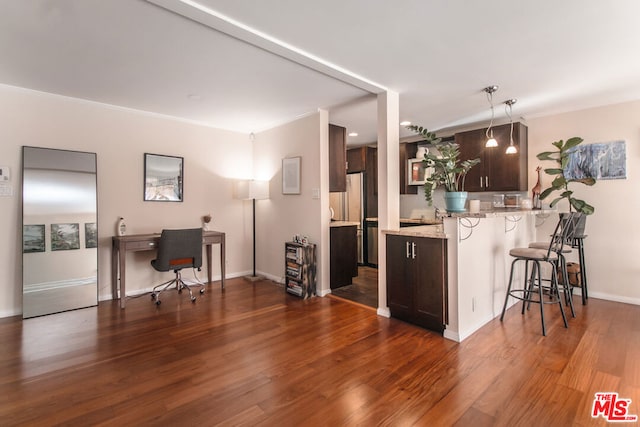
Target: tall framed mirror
(60, 234)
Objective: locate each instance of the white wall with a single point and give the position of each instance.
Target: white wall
(282, 216)
(613, 242)
(213, 158)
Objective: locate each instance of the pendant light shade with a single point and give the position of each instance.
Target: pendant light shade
(491, 141)
(511, 149)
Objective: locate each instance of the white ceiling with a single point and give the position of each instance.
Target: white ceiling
(173, 57)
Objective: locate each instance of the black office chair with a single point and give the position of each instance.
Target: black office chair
(178, 249)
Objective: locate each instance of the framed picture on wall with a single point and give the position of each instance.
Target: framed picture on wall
(90, 235)
(291, 175)
(65, 237)
(33, 238)
(163, 178)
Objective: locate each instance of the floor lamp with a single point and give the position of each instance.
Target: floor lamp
(253, 190)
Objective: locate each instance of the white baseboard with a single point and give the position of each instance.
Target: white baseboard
(606, 297)
(10, 313)
(384, 312)
(323, 293)
(453, 336)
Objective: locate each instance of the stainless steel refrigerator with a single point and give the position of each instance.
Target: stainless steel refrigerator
(349, 206)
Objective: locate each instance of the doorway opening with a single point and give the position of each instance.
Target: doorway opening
(351, 206)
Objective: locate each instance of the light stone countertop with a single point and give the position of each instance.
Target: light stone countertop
(344, 224)
(431, 231)
(496, 212)
(419, 221)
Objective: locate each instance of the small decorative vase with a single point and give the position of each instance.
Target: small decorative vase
(455, 200)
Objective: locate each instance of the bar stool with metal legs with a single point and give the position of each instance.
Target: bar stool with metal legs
(578, 243)
(533, 289)
(570, 221)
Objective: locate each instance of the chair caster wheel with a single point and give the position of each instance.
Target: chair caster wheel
(201, 291)
(193, 299)
(158, 302)
(153, 296)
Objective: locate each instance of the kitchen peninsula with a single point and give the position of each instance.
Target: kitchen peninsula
(467, 257)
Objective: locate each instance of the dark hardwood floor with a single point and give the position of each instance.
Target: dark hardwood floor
(252, 355)
(364, 288)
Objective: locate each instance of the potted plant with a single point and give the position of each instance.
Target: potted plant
(560, 182)
(446, 170)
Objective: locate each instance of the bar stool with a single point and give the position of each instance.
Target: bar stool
(578, 243)
(535, 256)
(569, 221)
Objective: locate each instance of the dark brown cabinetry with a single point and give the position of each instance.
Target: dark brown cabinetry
(356, 159)
(343, 255)
(337, 159)
(417, 280)
(497, 170)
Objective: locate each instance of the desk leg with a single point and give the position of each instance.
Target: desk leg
(209, 272)
(114, 271)
(222, 260)
(122, 267)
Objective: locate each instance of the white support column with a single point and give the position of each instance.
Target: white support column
(388, 184)
(323, 285)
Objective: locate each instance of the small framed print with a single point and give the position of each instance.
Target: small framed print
(90, 235)
(65, 237)
(291, 175)
(33, 238)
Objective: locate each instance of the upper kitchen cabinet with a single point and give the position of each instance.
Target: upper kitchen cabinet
(497, 170)
(356, 159)
(337, 159)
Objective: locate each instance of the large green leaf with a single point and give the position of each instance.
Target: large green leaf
(553, 171)
(572, 142)
(555, 201)
(582, 206)
(546, 155)
(546, 192)
(559, 182)
(586, 181)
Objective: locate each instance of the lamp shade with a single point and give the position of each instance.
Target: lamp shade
(251, 189)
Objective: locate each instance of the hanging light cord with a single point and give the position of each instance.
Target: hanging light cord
(509, 112)
(508, 108)
(490, 128)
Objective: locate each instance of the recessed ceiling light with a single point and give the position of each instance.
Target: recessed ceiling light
(353, 133)
(405, 123)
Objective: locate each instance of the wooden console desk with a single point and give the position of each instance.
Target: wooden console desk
(145, 242)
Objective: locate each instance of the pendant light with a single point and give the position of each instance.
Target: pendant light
(491, 141)
(508, 107)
